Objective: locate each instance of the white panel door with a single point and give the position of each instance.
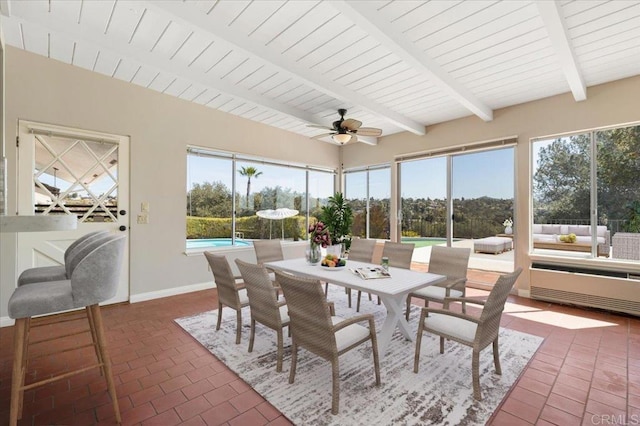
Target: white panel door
(70, 171)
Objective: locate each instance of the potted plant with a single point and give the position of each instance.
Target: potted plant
(337, 215)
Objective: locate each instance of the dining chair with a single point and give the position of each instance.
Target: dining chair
(229, 292)
(268, 251)
(452, 262)
(58, 272)
(477, 332)
(361, 250)
(399, 255)
(93, 280)
(315, 329)
(264, 305)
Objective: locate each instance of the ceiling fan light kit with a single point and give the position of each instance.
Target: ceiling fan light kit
(341, 138)
(346, 130)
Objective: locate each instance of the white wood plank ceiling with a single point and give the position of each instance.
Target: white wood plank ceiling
(395, 65)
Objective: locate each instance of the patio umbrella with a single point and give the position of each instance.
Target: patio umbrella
(277, 214)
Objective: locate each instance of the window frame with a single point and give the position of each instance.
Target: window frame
(235, 158)
(576, 257)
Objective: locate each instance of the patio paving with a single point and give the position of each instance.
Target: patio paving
(502, 262)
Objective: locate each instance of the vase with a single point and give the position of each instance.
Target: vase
(336, 250)
(508, 230)
(313, 254)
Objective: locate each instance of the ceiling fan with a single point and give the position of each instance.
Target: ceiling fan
(346, 130)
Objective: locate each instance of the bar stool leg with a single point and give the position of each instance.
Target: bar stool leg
(92, 327)
(102, 346)
(17, 379)
(25, 362)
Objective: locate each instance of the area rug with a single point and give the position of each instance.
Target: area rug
(440, 394)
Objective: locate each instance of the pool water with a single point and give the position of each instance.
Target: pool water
(424, 241)
(216, 242)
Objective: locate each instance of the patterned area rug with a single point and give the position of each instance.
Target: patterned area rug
(440, 394)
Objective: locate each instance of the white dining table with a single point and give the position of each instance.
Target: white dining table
(393, 291)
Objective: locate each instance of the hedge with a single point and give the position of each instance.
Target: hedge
(251, 227)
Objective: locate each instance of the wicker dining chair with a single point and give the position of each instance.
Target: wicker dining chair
(229, 293)
(268, 251)
(452, 262)
(264, 304)
(475, 331)
(399, 255)
(361, 250)
(313, 328)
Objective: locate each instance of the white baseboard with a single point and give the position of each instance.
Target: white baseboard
(6, 322)
(142, 297)
(524, 293)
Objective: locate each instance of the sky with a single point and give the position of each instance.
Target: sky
(486, 173)
(206, 169)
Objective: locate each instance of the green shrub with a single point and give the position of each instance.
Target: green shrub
(410, 233)
(250, 227)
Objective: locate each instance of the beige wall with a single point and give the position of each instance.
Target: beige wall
(608, 104)
(160, 127)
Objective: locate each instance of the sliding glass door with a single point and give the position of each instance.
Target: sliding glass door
(423, 201)
(482, 194)
(462, 198)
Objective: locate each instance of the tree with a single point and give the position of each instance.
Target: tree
(209, 199)
(562, 183)
(249, 172)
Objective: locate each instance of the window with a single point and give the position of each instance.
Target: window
(369, 194)
(271, 199)
(461, 197)
(586, 194)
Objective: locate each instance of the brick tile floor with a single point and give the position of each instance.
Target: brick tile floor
(587, 371)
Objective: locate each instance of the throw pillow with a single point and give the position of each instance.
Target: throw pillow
(550, 229)
(582, 230)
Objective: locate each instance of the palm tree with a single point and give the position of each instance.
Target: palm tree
(249, 172)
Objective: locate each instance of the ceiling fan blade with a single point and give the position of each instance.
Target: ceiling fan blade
(369, 131)
(322, 135)
(354, 138)
(319, 126)
(351, 124)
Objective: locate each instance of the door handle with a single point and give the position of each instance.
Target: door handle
(122, 228)
(122, 212)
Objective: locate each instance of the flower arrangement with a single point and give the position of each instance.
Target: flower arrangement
(319, 235)
(508, 223)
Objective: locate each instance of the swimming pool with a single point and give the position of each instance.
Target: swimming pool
(215, 242)
(424, 241)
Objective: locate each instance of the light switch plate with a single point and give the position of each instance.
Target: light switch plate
(143, 219)
(144, 206)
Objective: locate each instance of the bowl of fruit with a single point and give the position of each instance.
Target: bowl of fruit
(333, 262)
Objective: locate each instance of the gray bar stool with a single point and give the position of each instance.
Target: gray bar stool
(58, 272)
(94, 279)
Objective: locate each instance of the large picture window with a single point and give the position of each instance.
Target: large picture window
(586, 194)
(272, 200)
(369, 194)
